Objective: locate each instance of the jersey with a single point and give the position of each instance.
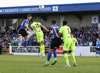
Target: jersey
(39, 33)
(65, 31)
(56, 28)
(74, 41)
(26, 21)
(98, 44)
(37, 26)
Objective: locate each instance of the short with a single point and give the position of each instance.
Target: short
(98, 49)
(72, 48)
(23, 32)
(40, 36)
(67, 44)
(55, 43)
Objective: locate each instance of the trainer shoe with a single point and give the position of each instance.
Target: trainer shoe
(47, 64)
(41, 57)
(54, 62)
(67, 65)
(74, 64)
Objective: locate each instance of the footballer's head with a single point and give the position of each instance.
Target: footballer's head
(53, 21)
(29, 17)
(64, 23)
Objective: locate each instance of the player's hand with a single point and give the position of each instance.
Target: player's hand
(77, 45)
(57, 36)
(30, 30)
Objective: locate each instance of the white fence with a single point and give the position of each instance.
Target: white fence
(34, 50)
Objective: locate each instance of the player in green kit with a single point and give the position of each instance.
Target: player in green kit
(36, 26)
(72, 48)
(69, 43)
(65, 31)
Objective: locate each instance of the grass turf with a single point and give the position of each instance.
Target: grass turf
(33, 64)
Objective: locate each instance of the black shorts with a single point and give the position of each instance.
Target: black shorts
(55, 43)
(23, 32)
(98, 49)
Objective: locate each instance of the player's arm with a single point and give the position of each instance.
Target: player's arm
(35, 29)
(44, 27)
(60, 32)
(27, 27)
(54, 31)
(77, 43)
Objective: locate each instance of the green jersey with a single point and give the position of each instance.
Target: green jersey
(65, 31)
(37, 26)
(74, 40)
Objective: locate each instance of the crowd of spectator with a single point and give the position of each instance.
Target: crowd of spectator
(85, 36)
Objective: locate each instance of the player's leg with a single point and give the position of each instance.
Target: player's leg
(50, 53)
(73, 57)
(52, 49)
(66, 49)
(57, 43)
(49, 57)
(40, 40)
(21, 31)
(19, 41)
(42, 49)
(25, 42)
(71, 51)
(55, 57)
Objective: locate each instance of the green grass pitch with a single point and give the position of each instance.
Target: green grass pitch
(33, 64)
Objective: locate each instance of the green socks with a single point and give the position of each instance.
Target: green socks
(73, 57)
(66, 58)
(42, 49)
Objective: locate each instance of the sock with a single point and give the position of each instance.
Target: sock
(41, 50)
(66, 58)
(43, 47)
(19, 42)
(55, 55)
(73, 57)
(49, 57)
(25, 43)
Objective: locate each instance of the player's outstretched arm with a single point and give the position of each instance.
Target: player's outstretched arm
(77, 44)
(44, 27)
(27, 27)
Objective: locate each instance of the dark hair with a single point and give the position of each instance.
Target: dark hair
(64, 23)
(29, 15)
(53, 21)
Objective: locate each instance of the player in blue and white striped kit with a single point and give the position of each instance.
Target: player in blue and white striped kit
(23, 31)
(98, 47)
(55, 43)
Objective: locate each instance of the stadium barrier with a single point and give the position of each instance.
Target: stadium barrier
(34, 50)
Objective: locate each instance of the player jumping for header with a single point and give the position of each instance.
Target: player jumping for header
(23, 31)
(36, 26)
